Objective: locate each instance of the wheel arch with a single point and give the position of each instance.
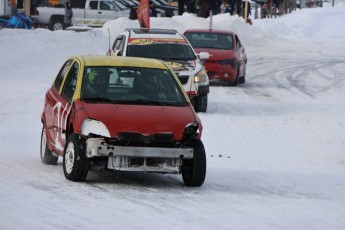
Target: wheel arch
(56, 18)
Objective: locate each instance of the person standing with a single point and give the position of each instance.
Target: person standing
(152, 8)
(68, 14)
(224, 7)
(181, 6)
(248, 13)
(133, 13)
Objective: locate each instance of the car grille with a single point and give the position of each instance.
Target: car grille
(183, 79)
(211, 74)
(137, 138)
(151, 162)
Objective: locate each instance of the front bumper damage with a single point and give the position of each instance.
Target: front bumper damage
(147, 159)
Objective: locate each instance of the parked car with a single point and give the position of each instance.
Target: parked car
(165, 9)
(93, 13)
(228, 58)
(121, 113)
(173, 48)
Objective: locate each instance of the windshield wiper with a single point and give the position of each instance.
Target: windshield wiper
(182, 58)
(103, 100)
(153, 102)
(97, 99)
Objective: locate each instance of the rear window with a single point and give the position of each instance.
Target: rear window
(211, 41)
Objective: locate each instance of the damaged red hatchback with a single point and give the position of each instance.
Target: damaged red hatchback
(121, 113)
(228, 58)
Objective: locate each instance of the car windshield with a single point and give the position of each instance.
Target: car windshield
(131, 85)
(210, 40)
(163, 51)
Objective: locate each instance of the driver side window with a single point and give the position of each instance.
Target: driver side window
(61, 75)
(93, 5)
(105, 5)
(70, 83)
(117, 44)
(238, 43)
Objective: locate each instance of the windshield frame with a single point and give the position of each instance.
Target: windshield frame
(121, 89)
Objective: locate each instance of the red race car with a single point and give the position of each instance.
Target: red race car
(228, 59)
(121, 113)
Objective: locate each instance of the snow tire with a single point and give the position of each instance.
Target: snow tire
(236, 81)
(200, 103)
(194, 170)
(57, 23)
(75, 162)
(47, 156)
(242, 79)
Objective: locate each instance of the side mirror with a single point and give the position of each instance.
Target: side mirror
(204, 55)
(109, 52)
(118, 53)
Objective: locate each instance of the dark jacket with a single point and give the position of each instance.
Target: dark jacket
(68, 14)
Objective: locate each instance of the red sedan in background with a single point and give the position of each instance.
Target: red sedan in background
(228, 59)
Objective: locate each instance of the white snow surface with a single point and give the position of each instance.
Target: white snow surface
(275, 146)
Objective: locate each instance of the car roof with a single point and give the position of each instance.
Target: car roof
(154, 33)
(121, 61)
(211, 31)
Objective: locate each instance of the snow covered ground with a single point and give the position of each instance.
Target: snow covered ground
(275, 145)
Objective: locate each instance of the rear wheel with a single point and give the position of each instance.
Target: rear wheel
(56, 24)
(47, 156)
(200, 103)
(243, 78)
(194, 170)
(75, 162)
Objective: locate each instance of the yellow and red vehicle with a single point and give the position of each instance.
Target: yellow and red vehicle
(121, 113)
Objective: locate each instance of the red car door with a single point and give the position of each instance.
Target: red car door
(51, 100)
(62, 108)
(58, 105)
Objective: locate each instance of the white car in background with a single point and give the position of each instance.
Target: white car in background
(92, 13)
(175, 50)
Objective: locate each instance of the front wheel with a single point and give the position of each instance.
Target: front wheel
(242, 79)
(75, 162)
(200, 103)
(47, 156)
(237, 79)
(194, 170)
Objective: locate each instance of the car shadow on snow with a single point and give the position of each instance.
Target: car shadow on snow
(134, 179)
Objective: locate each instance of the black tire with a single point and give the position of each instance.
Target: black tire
(194, 170)
(47, 156)
(57, 24)
(200, 103)
(236, 81)
(75, 162)
(242, 79)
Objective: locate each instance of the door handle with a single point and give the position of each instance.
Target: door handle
(99, 12)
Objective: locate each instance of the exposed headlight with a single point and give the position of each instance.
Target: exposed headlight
(95, 127)
(201, 76)
(231, 62)
(190, 129)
